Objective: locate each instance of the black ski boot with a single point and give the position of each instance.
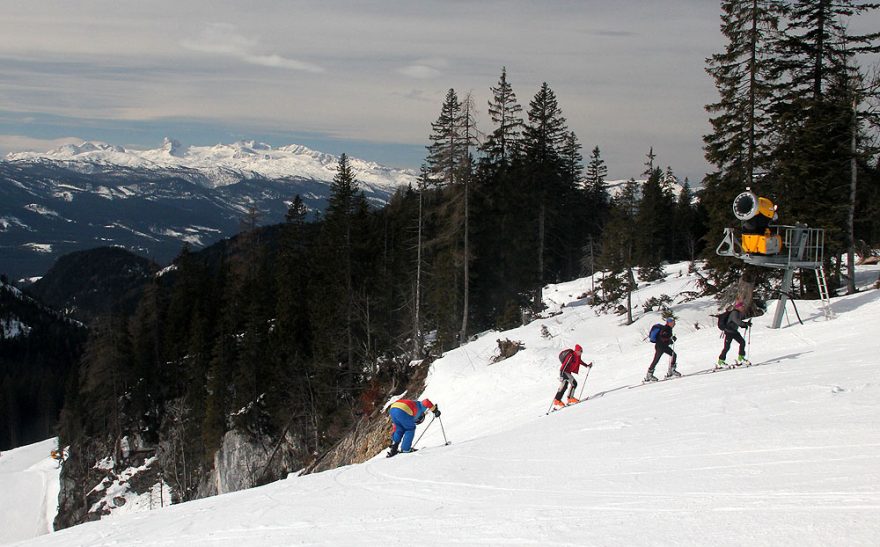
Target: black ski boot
(393, 451)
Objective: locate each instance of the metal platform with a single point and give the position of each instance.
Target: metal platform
(802, 248)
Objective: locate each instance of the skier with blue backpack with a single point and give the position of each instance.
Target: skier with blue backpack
(663, 339)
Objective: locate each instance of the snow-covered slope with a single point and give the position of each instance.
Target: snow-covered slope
(221, 164)
(29, 486)
(783, 453)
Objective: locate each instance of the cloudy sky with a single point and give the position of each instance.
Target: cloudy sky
(366, 77)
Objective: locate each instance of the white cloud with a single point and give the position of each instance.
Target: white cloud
(224, 39)
(420, 72)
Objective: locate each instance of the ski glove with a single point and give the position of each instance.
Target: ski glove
(436, 411)
(420, 419)
(674, 338)
(747, 324)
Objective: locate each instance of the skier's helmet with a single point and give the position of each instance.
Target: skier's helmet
(578, 349)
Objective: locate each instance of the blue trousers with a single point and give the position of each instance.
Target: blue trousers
(404, 429)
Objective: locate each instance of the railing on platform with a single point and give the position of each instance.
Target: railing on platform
(802, 247)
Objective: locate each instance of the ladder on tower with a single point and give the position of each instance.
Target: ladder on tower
(823, 292)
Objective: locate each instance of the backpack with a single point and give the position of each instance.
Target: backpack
(654, 332)
(723, 318)
(563, 355)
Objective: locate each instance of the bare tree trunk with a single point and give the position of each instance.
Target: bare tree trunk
(350, 290)
(467, 262)
(470, 136)
(417, 336)
(631, 282)
(746, 288)
(850, 217)
(541, 213)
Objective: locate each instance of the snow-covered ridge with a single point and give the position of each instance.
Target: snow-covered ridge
(242, 159)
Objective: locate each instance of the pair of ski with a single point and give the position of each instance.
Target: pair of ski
(658, 380)
(411, 450)
(557, 409)
(731, 366)
(391, 454)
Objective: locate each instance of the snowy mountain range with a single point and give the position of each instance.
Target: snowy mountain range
(220, 165)
(153, 201)
(784, 452)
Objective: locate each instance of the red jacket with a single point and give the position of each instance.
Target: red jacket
(572, 363)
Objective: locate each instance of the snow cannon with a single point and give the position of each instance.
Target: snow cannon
(756, 213)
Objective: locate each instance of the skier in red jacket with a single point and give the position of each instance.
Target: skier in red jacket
(571, 363)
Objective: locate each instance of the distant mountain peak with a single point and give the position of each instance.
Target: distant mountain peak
(248, 158)
(173, 147)
(151, 201)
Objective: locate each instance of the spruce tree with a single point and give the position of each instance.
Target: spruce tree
(596, 175)
(543, 139)
(653, 220)
(445, 151)
(333, 293)
(745, 74)
(814, 158)
(504, 231)
(618, 249)
(503, 143)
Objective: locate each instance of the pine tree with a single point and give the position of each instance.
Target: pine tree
(334, 307)
(572, 160)
(746, 74)
(296, 213)
(572, 228)
(503, 143)
(445, 151)
(685, 225)
(105, 374)
(469, 140)
(596, 174)
(504, 270)
(816, 117)
(653, 217)
(598, 203)
(451, 165)
(543, 138)
(617, 254)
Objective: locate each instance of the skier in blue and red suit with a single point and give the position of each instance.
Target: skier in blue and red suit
(405, 416)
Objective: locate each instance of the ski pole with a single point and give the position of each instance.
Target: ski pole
(561, 384)
(749, 349)
(423, 432)
(587, 375)
(443, 429)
